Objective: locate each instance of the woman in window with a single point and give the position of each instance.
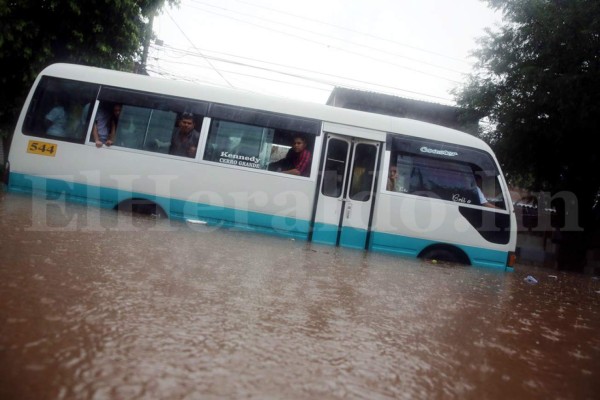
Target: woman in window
(297, 160)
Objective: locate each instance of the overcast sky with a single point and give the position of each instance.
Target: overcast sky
(411, 48)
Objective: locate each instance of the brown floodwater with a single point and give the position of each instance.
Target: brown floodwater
(100, 305)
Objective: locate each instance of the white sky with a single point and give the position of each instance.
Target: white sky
(410, 48)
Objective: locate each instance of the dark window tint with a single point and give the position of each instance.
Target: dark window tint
(58, 109)
(335, 167)
(363, 171)
(254, 146)
(442, 179)
(151, 122)
(240, 144)
(145, 129)
(444, 151)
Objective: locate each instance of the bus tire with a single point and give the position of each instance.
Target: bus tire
(142, 206)
(445, 254)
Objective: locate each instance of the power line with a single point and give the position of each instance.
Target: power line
(298, 75)
(354, 31)
(332, 83)
(333, 47)
(261, 77)
(192, 43)
(330, 36)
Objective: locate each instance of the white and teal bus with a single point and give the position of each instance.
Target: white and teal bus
(431, 208)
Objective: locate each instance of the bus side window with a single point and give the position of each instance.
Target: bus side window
(248, 146)
(56, 109)
(239, 144)
(335, 167)
(498, 197)
(148, 122)
(435, 178)
(404, 172)
(159, 130)
(490, 187)
(132, 127)
(363, 172)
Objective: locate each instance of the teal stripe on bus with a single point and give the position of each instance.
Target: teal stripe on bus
(354, 238)
(54, 189)
(325, 233)
(398, 244)
(328, 233)
(407, 246)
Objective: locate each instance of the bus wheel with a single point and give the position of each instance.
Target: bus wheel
(444, 254)
(142, 206)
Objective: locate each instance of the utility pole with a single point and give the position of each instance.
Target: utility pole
(147, 37)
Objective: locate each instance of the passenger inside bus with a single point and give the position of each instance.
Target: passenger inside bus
(184, 141)
(482, 199)
(56, 119)
(127, 134)
(105, 124)
(392, 178)
(297, 160)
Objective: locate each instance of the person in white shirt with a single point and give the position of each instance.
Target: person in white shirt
(482, 199)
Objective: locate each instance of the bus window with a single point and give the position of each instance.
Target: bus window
(145, 129)
(132, 122)
(58, 109)
(436, 178)
(444, 170)
(491, 189)
(444, 179)
(335, 167)
(148, 122)
(140, 128)
(246, 145)
(159, 129)
(404, 168)
(363, 172)
(238, 144)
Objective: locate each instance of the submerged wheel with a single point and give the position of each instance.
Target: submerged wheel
(445, 254)
(141, 206)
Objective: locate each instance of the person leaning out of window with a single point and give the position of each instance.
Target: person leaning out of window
(105, 125)
(297, 160)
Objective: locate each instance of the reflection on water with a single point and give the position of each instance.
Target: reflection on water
(95, 304)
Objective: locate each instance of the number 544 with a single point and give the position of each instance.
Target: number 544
(43, 148)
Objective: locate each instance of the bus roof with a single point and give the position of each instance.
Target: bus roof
(326, 113)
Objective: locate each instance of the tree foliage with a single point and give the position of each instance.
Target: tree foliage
(36, 33)
(538, 81)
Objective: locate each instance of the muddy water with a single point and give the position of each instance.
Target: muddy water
(99, 305)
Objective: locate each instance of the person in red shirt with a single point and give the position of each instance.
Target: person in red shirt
(297, 160)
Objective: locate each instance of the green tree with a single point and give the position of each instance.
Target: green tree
(538, 82)
(36, 33)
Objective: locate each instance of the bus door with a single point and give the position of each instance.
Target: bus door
(344, 202)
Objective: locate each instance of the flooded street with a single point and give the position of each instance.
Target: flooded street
(100, 305)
